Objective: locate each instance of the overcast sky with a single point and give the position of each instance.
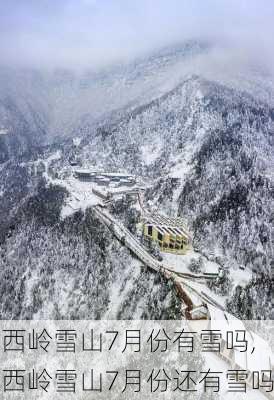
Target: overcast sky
(91, 33)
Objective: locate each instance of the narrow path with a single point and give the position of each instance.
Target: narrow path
(184, 282)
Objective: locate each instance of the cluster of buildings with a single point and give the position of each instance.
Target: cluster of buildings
(171, 234)
(105, 178)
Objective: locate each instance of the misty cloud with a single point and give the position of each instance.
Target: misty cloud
(93, 33)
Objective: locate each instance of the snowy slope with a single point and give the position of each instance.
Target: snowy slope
(211, 152)
(203, 147)
(77, 271)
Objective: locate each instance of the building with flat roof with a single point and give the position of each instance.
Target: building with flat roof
(171, 234)
(105, 177)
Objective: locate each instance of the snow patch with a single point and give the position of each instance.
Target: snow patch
(151, 152)
(80, 197)
(241, 277)
(3, 131)
(182, 163)
(77, 141)
(181, 263)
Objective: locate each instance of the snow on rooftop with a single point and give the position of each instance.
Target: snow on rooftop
(159, 219)
(83, 171)
(122, 174)
(173, 225)
(102, 173)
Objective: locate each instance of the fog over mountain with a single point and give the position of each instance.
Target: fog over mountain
(88, 34)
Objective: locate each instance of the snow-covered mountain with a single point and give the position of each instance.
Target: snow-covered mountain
(76, 270)
(208, 153)
(203, 149)
(37, 107)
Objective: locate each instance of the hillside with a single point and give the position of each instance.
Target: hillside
(202, 150)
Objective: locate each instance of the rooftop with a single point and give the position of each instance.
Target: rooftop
(175, 226)
(102, 173)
